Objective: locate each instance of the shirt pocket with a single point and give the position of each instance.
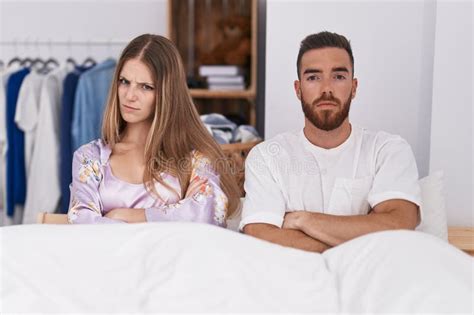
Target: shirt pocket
(360, 195)
(350, 196)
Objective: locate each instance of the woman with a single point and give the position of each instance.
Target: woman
(155, 161)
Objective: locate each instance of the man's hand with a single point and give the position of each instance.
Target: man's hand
(128, 215)
(293, 220)
(333, 230)
(286, 237)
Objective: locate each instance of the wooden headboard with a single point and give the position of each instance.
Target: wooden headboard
(462, 238)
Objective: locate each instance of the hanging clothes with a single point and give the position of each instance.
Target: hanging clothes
(91, 97)
(15, 157)
(4, 75)
(26, 115)
(4, 218)
(67, 108)
(44, 183)
(2, 145)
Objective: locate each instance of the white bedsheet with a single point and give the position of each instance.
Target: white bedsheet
(402, 272)
(168, 267)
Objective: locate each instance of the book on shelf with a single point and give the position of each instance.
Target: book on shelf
(219, 70)
(215, 79)
(227, 87)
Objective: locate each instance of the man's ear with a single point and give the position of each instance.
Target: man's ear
(354, 87)
(297, 89)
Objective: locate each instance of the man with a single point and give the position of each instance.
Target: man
(331, 181)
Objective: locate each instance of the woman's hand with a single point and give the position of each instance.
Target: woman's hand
(128, 215)
(198, 184)
(131, 215)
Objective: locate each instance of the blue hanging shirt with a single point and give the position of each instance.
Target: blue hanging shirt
(15, 161)
(90, 100)
(67, 107)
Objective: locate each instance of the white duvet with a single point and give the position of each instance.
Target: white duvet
(186, 267)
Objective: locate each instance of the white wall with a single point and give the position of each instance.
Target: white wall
(451, 129)
(77, 21)
(393, 62)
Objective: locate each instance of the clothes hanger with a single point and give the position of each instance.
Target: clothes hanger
(36, 64)
(46, 65)
(72, 61)
(27, 62)
(89, 62)
(51, 61)
(15, 60)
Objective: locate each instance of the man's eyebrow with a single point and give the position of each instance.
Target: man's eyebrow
(336, 69)
(340, 69)
(311, 70)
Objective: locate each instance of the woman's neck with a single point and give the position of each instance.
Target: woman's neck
(136, 133)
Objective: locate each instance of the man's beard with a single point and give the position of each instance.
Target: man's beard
(326, 119)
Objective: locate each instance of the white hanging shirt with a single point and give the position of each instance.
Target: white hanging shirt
(43, 190)
(26, 115)
(288, 173)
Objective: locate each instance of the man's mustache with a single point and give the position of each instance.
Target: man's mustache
(327, 97)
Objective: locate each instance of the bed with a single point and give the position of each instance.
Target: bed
(191, 267)
(186, 267)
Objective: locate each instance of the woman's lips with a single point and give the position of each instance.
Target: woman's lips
(130, 107)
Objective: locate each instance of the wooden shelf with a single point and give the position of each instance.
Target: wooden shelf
(204, 93)
(194, 28)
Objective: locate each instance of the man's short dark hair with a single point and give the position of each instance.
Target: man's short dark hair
(323, 40)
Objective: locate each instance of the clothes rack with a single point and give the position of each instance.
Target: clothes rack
(63, 42)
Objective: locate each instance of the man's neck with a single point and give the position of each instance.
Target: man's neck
(327, 139)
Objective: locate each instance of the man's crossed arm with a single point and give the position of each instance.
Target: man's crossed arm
(313, 231)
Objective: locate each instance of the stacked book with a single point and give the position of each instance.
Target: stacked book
(223, 77)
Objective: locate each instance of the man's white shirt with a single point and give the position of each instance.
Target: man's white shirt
(288, 173)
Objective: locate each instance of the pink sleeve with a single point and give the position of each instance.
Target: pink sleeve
(208, 205)
(85, 205)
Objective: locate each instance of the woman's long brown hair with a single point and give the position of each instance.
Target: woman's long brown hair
(176, 129)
